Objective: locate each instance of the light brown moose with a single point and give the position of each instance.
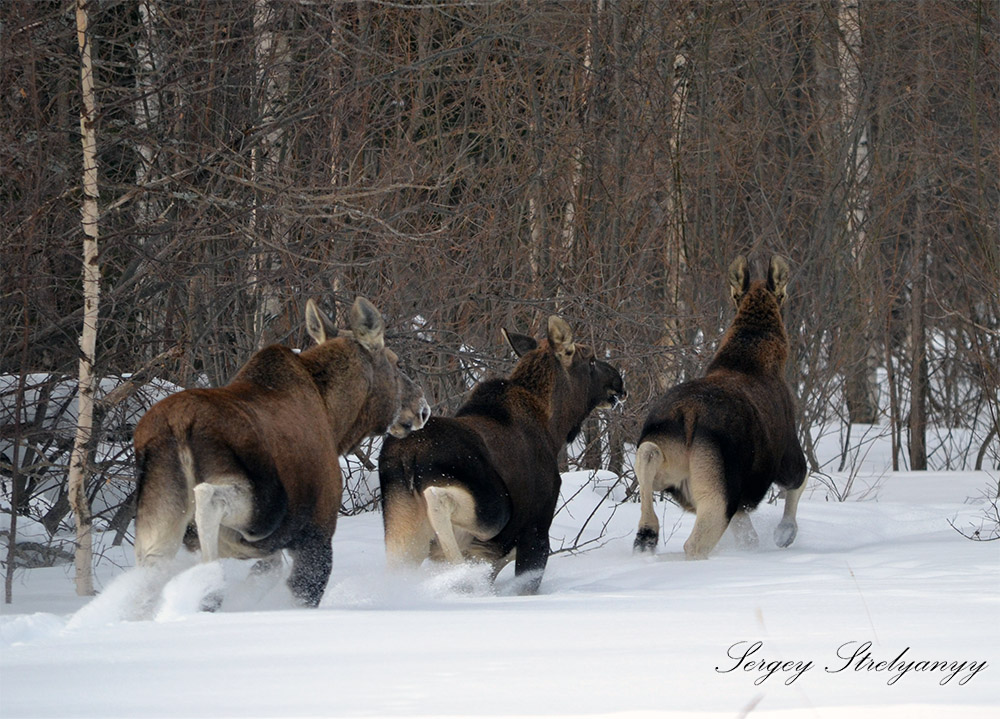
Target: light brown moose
(252, 467)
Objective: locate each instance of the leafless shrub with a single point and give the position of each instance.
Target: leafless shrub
(472, 167)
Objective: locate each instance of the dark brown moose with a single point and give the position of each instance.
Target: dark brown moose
(484, 484)
(719, 442)
(254, 464)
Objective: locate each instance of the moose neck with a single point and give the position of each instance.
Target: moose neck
(756, 341)
(345, 394)
(558, 406)
(760, 310)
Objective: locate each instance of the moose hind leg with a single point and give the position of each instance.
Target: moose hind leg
(648, 460)
(158, 538)
(788, 528)
(707, 487)
(164, 513)
(408, 531)
(447, 506)
(217, 505)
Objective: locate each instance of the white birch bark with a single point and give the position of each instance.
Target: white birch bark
(576, 156)
(270, 56)
(88, 335)
(537, 255)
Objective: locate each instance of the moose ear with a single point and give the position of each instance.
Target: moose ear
(561, 340)
(367, 325)
(318, 325)
(521, 344)
(739, 279)
(777, 277)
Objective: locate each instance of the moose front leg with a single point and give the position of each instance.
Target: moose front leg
(531, 556)
(312, 561)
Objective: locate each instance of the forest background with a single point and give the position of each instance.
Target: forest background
(469, 166)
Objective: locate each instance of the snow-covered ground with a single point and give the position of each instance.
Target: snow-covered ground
(842, 623)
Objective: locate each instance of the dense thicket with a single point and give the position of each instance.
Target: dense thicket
(472, 166)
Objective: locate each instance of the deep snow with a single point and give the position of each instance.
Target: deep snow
(610, 634)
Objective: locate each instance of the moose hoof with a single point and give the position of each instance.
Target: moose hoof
(784, 533)
(529, 586)
(694, 552)
(211, 602)
(749, 540)
(263, 567)
(645, 540)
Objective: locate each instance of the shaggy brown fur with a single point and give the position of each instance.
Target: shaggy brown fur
(719, 442)
(254, 464)
(484, 484)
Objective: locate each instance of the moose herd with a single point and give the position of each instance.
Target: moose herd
(252, 468)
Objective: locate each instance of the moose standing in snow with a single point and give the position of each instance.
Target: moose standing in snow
(254, 465)
(718, 443)
(484, 484)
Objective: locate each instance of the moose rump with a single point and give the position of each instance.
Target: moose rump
(484, 484)
(718, 443)
(251, 468)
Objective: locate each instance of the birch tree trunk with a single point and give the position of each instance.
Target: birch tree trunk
(576, 155)
(88, 335)
(271, 60)
(538, 251)
(860, 389)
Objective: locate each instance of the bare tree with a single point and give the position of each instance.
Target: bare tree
(919, 257)
(482, 165)
(78, 470)
(860, 387)
(267, 228)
